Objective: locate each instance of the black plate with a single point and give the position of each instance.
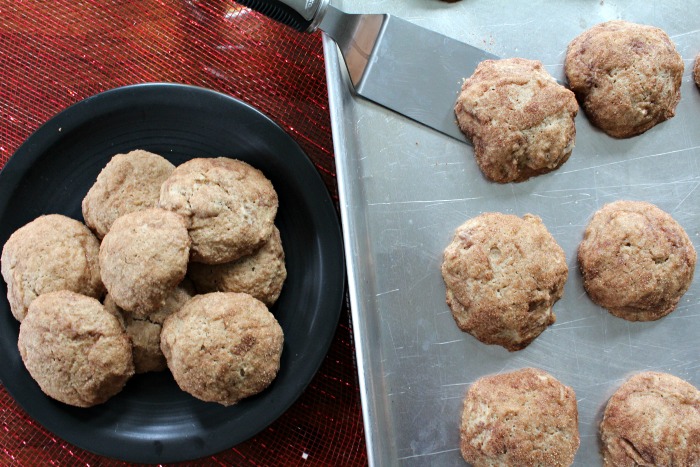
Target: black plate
(152, 420)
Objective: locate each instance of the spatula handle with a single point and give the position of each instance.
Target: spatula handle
(302, 15)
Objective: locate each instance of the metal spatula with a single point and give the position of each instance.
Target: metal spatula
(406, 68)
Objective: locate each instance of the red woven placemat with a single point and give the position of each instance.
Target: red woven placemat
(55, 53)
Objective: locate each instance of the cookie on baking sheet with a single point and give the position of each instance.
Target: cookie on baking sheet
(229, 206)
(522, 418)
(520, 120)
(261, 274)
(636, 260)
(223, 346)
(143, 258)
(696, 71)
(50, 253)
(652, 419)
(76, 351)
(627, 76)
(503, 274)
(129, 182)
(144, 331)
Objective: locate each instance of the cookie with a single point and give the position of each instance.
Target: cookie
(652, 419)
(129, 182)
(503, 274)
(48, 254)
(696, 71)
(143, 258)
(144, 331)
(636, 260)
(76, 351)
(519, 119)
(229, 207)
(222, 347)
(261, 274)
(524, 418)
(627, 76)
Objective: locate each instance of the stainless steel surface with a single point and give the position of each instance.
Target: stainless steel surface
(318, 7)
(408, 69)
(308, 9)
(356, 36)
(404, 189)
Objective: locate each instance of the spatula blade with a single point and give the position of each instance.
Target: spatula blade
(412, 70)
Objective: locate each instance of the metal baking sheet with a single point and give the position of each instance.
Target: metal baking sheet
(404, 189)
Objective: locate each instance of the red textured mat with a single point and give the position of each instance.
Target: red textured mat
(55, 53)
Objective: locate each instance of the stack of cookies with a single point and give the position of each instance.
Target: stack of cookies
(174, 268)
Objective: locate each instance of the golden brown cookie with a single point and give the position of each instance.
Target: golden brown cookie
(76, 351)
(652, 419)
(230, 207)
(627, 76)
(144, 331)
(129, 182)
(696, 71)
(503, 275)
(636, 260)
(223, 347)
(520, 120)
(523, 418)
(261, 274)
(51, 253)
(143, 258)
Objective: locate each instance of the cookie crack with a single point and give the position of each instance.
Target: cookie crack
(226, 190)
(228, 201)
(634, 453)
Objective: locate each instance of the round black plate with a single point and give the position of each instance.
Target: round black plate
(152, 420)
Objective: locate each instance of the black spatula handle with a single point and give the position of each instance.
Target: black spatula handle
(299, 14)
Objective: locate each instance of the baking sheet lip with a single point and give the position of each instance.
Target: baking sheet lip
(332, 62)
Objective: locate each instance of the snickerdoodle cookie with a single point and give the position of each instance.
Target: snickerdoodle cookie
(129, 182)
(229, 207)
(652, 419)
(636, 260)
(261, 274)
(626, 75)
(520, 120)
(223, 346)
(143, 258)
(524, 418)
(50, 253)
(144, 331)
(503, 275)
(76, 351)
